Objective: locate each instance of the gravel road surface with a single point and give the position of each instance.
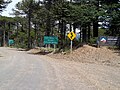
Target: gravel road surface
(22, 71)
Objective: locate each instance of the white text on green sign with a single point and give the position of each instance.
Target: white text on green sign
(50, 40)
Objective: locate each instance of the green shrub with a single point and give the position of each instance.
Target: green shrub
(93, 40)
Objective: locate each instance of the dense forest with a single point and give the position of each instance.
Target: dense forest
(34, 19)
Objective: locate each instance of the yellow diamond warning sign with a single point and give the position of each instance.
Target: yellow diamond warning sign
(71, 35)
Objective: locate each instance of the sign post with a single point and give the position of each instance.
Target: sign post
(71, 46)
(71, 36)
(54, 47)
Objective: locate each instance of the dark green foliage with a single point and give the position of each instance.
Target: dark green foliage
(93, 40)
(3, 4)
(51, 17)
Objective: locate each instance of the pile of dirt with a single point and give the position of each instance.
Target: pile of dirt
(34, 51)
(40, 51)
(89, 54)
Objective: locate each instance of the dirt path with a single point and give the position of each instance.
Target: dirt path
(22, 71)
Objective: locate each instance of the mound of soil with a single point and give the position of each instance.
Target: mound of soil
(39, 51)
(89, 54)
(33, 51)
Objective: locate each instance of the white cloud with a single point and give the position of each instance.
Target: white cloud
(8, 10)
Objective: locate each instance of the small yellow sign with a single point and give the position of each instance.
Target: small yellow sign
(71, 35)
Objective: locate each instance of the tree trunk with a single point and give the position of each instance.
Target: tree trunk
(95, 22)
(8, 33)
(70, 27)
(84, 35)
(17, 41)
(80, 34)
(48, 29)
(95, 28)
(4, 42)
(74, 27)
(29, 30)
(61, 31)
(35, 41)
(64, 30)
(89, 33)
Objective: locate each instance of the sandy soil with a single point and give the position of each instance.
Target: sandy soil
(88, 54)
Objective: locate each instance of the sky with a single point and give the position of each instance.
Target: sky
(9, 8)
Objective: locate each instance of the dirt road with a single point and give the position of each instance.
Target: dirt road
(22, 71)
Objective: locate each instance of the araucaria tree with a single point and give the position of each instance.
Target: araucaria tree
(58, 17)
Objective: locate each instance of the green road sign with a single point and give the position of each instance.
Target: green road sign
(11, 41)
(50, 40)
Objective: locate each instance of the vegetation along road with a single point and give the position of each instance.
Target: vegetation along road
(22, 71)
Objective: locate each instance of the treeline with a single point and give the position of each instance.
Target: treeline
(35, 19)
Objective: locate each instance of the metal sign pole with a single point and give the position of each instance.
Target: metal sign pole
(71, 45)
(8, 42)
(54, 47)
(71, 36)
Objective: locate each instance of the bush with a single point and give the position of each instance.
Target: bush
(93, 40)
